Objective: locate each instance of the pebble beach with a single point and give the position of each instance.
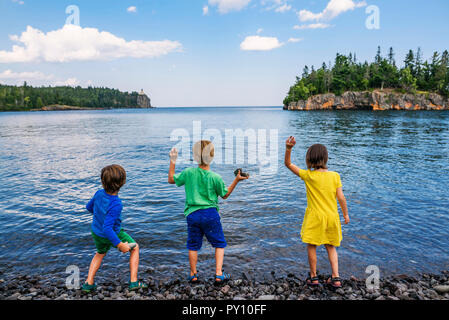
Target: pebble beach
(282, 287)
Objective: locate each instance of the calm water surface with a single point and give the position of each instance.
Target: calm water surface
(394, 169)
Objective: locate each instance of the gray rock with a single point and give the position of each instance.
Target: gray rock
(225, 289)
(432, 294)
(14, 296)
(401, 287)
(267, 297)
(441, 289)
(340, 291)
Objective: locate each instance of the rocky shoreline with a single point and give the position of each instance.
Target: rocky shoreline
(376, 100)
(287, 287)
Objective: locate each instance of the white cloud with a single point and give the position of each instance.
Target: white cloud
(27, 75)
(19, 2)
(312, 26)
(332, 10)
(225, 6)
(276, 5)
(258, 43)
(36, 78)
(259, 31)
(70, 82)
(74, 43)
(293, 40)
(132, 9)
(205, 10)
(284, 8)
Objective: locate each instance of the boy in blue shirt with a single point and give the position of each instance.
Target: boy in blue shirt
(107, 230)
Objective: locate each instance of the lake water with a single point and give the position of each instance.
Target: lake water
(394, 169)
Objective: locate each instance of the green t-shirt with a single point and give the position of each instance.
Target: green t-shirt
(202, 188)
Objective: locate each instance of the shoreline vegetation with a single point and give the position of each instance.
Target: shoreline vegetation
(28, 98)
(286, 287)
(379, 85)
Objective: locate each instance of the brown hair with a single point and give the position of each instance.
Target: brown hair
(203, 152)
(316, 157)
(113, 177)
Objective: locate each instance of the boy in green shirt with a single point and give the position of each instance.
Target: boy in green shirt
(202, 188)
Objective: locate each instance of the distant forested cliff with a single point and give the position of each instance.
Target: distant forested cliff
(416, 76)
(25, 97)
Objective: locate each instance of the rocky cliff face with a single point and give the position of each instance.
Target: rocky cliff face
(143, 101)
(376, 100)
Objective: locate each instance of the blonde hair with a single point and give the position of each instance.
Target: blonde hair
(203, 152)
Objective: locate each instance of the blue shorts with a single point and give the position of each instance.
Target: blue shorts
(204, 222)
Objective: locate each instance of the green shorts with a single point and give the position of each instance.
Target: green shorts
(103, 245)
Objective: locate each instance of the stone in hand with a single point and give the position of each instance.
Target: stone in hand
(243, 174)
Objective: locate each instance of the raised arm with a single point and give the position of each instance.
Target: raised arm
(234, 183)
(171, 170)
(289, 144)
(343, 205)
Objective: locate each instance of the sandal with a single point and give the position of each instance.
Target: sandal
(331, 281)
(310, 281)
(222, 279)
(136, 285)
(195, 276)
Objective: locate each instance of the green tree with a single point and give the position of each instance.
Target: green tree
(407, 80)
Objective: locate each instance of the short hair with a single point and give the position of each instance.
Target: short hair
(113, 177)
(317, 157)
(203, 152)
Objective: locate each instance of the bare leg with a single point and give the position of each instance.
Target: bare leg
(193, 259)
(311, 253)
(134, 263)
(219, 256)
(94, 266)
(333, 259)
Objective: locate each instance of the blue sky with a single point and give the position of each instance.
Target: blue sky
(216, 53)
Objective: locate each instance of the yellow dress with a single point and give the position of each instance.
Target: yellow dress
(321, 223)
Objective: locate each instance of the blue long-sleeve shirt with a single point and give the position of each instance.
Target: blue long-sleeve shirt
(107, 220)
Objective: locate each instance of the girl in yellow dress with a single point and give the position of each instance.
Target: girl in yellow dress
(321, 223)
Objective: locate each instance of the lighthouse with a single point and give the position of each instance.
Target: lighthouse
(143, 101)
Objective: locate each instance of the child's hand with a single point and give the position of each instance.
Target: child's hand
(290, 143)
(123, 247)
(173, 155)
(239, 177)
(346, 219)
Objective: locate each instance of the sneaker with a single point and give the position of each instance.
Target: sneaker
(136, 285)
(89, 287)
